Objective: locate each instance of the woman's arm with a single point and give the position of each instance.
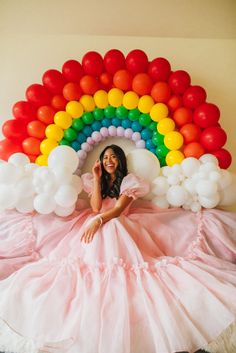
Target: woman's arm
(96, 197)
(114, 212)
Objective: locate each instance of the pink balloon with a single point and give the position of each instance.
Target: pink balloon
(140, 144)
(104, 132)
(128, 133)
(86, 147)
(90, 141)
(112, 130)
(82, 154)
(96, 136)
(136, 136)
(120, 131)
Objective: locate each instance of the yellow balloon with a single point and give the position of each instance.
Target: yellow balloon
(54, 132)
(173, 140)
(42, 160)
(101, 99)
(87, 102)
(115, 97)
(48, 145)
(75, 109)
(145, 104)
(63, 119)
(130, 100)
(159, 111)
(174, 157)
(165, 125)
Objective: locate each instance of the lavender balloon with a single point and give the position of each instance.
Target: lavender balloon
(104, 132)
(82, 154)
(128, 133)
(140, 144)
(90, 141)
(120, 131)
(86, 147)
(112, 131)
(96, 136)
(136, 136)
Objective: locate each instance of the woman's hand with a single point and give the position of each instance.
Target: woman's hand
(90, 231)
(97, 170)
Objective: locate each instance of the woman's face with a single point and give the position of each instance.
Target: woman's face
(110, 161)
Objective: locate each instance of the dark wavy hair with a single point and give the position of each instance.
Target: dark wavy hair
(121, 172)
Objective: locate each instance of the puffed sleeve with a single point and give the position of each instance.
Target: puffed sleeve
(134, 186)
(87, 180)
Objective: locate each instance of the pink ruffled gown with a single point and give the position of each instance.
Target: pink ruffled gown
(152, 280)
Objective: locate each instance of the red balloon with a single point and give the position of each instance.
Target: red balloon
(24, 111)
(193, 149)
(54, 81)
(46, 114)
(8, 147)
(142, 84)
(38, 95)
(123, 80)
(224, 158)
(194, 96)
(72, 91)
(183, 116)
(114, 60)
(106, 81)
(213, 138)
(31, 145)
(206, 115)
(136, 61)
(174, 103)
(58, 102)
(89, 84)
(72, 71)
(92, 63)
(14, 130)
(36, 129)
(179, 81)
(159, 69)
(161, 92)
(32, 158)
(190, 133)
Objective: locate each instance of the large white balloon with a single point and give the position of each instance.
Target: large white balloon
(63, 155)
(176, 195)
(143, 163)
(9, 174)
(66, 196)
(44, 203)
(209, 202)
(160, 186)
(19, 159)
(161, 201)
(205, 158)
(64, 211)
(190, 166)
(206, 188)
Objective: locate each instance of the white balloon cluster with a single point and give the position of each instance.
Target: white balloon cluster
(27, 186)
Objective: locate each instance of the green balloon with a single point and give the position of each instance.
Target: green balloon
(98, 114)
(134, 114)
(157, 138)
(70, 134)
(64, 142)
(162, 162)
(144, 119)
(161, 151)
(78, 124)
(110, 112)
(121, 112)
(152, 126)
(88, 118)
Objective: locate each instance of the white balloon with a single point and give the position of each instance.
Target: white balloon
(226, 179)
(206, 188)
(190, 166)
(173, 179)
(63, 155)
(66, 196)
(205, 158)
(44, 203)
(208, 167)
(190, 185)
(215, 176)
(176, 195)
(160, 186)
(176, 169)
(76, 182)
(62, 174)
(9, 173)
(143, 163)
(24, 187)
(161, 202)
(42, 173)
(25, 205)
(166, 171)
(195, 206)
(228, 196)
(30, 168)
(209, 202)
(8, 197)
(19, 159)
(64, 211)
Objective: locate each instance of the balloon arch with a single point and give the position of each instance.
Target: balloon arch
(159, 109)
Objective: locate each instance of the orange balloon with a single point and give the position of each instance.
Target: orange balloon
(123, 80)
(161, 92)
(58, 102)
(106, 81)
(31, 145)
(72, 91)
(174, 103)
(89, 84)
(46, 114)
(193, 149)
(142, 84)
(183, 116)
(190, 132)
(36, 129)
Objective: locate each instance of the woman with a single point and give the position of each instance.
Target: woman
(123, 276)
